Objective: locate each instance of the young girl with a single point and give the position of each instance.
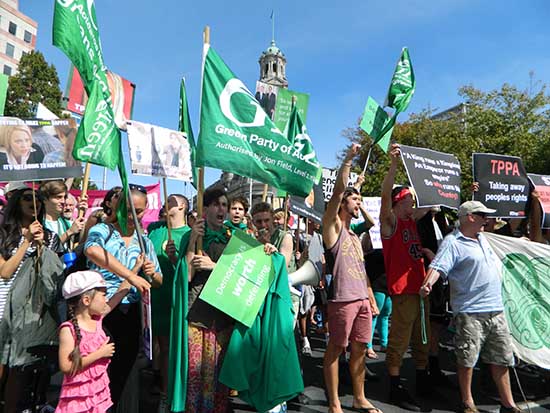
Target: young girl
(84, 349)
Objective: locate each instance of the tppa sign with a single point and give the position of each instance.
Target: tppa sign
(503, 184)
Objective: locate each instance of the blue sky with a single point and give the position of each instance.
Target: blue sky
(339, 54)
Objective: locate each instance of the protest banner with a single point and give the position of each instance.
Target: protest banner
(240, 280)
(525, 290)
(146, 325)
(277, 103)
(435, 176)
(122, 93)
(236, 135)
(154, 203)
(157, 151)
(503, 184)
(374, 120)
(542, 186)
(372, 206)
(311, 207)
(329, 180)
(34, 149)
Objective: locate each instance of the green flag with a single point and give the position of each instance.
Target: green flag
(3, 92)
(402, 84)
(97, 141)
(236, 135)
(185, 127)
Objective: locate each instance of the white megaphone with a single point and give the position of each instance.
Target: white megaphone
(307, 274)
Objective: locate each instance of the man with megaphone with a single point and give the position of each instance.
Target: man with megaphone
(351, 300)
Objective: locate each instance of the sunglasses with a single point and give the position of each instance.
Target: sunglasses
(29, 198)
(480, 214)
(140, 188)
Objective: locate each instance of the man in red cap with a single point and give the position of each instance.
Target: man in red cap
(404, 262)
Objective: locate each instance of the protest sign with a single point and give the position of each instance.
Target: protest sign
(373, 121)
(277, 103)
(329, 180)
(33, 150)
(241, 279)
(542, 186)
(503, 184)
(157, 151)
(435, 176)
(311, 207)
(236, 135)
(154, 203)
(372, 206)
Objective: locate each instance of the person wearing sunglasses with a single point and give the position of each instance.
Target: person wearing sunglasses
(116, 254)
(22, 237)
(468, 262)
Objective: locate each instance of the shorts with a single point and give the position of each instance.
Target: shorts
(349, 321)
(485, 335)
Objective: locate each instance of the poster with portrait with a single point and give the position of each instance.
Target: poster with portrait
(122, 94)
(541, 183)
(35, 149)
(157, 151)
(277, 103)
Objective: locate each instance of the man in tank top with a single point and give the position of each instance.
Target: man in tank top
(351, 301)
(404, 262)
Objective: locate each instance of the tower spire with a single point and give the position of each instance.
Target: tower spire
(272, 27)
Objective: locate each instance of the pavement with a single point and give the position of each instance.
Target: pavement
(535, 383)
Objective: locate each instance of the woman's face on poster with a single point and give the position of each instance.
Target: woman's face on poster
(20, 143)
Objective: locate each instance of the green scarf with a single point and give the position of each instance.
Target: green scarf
(231, 226)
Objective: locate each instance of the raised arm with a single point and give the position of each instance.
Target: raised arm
(331, 222)
(387, 218)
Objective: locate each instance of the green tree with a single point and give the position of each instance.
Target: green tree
(507, 121)
(35, 82)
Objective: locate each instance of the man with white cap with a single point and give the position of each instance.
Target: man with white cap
(468, 262)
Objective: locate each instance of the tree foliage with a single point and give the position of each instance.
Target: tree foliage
(35, 82)
(507, 121)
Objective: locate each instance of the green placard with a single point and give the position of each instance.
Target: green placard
(241, 279)
(373, 123)
(3, 92)
(284, 106)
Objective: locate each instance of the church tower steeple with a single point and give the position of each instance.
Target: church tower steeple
(273, 66)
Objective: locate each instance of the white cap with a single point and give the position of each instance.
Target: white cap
(471, 207)
(81, 281)
(14, 186)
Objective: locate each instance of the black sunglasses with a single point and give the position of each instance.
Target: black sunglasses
(29, 198)
(480, 214)
(140, 188)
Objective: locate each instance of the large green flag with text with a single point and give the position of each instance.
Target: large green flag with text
(185, 127)
(76, 33)
(236, 135)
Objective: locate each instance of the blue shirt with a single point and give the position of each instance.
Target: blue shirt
(126, 255)
(472, 269)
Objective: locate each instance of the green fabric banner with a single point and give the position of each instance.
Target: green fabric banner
(236, 135)
(97, 141)
(240, 281)
(185, 127)
(3, 92)
(402, 84)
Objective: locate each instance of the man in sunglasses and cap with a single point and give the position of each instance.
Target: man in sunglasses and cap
(404, 263)
(468, 262)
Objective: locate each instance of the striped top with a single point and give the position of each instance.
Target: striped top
(5, 284)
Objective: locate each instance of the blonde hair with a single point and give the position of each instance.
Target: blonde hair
(6, 131)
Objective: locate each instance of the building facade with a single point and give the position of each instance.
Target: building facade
(17, 36)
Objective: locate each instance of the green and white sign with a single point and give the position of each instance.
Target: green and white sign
(373, 122)
(525, 291)
(236, 135)
(3, 92)
(241, 279)
(284, 106)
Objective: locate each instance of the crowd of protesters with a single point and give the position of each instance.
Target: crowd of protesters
(71, 284)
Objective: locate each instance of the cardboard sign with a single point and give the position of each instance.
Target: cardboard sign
(241, 279)
(312, 207)
(35, 150)
(435, 176)
(503, 184)
(542, 186)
